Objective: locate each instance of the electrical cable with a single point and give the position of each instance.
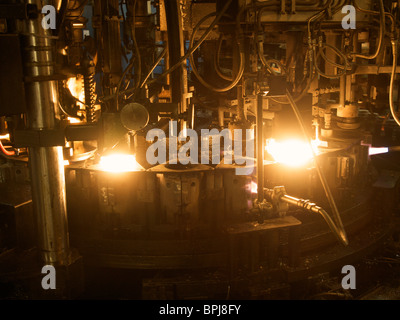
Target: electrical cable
(127, 69)
(216, 60)
(388, 14)
(391, 104)
(340, 54)
(323, 74)
(160, 57)
(196, 46)
(131, 63)
(194, 68)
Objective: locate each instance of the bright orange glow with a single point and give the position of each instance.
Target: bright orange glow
(254, 187)
(73, 120)
(75, 86)
(119, 163)
(5, 136)
(293, 152)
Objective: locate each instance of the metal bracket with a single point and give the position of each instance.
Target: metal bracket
(39, 138)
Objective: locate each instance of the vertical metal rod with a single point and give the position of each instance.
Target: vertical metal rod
(260, 149)
(342, 94)
(46, 163)
(176, 49)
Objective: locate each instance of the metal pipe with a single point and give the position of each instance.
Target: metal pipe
(46, 163)
(391, 103)
(312, 207)
(260, 149)
(176, 50)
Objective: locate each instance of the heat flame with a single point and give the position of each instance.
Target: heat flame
(119, 163)
(293, 152)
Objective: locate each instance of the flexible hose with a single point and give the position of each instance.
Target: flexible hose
(391, 104)
(190, 51)
(6, 152)
(388, 14)
(216, 60)
(196, 46)
(321, 175)
(340, 54)
(162, 55)
(194, 68)
(381, 35)
(323, 74)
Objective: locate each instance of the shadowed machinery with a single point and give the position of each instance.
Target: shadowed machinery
(195, 149)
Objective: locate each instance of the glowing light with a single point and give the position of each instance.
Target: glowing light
(253, 187)
(119, 163)
(5, 136)
(293, 153)
(373, 150)
(73, 120)
(75, 86)
(66, 163)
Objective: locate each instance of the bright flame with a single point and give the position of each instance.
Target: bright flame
(119, 163)
(73, 120)
(75, 86)
(372, 150)
(293, 153)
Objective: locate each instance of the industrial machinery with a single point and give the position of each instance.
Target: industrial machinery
(196, 149)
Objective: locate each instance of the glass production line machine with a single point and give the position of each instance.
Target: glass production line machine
(311, 89)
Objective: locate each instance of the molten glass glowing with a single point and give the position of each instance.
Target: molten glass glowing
(119, 163)
(293, 153)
